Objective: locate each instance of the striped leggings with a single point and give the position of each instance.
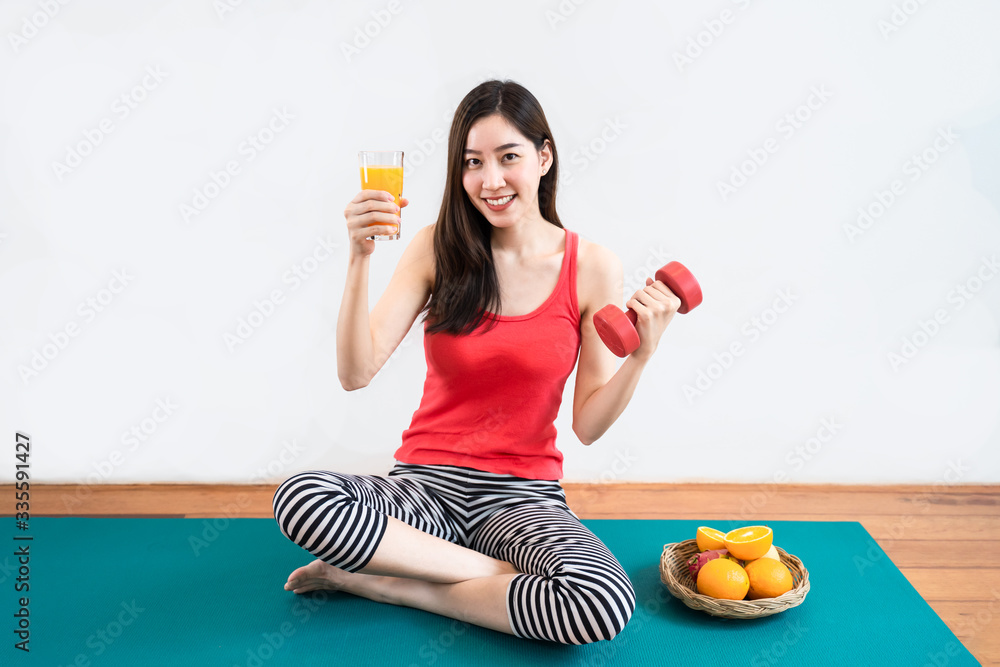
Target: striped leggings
(572, 590)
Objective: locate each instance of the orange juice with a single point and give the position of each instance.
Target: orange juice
(384, 177)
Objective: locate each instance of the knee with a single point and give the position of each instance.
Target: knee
(298, 492)
(600, 606)
(284, 494)
(616, 606)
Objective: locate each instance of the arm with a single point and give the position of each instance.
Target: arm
(601, 394)
(365, 342)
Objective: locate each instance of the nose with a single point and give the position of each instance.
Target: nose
(492, 177)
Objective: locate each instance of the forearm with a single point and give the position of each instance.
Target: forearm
(606, 404)
(355, 356)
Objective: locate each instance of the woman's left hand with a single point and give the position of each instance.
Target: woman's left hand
(654, 306)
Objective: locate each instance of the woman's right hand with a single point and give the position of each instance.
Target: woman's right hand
(371, 213)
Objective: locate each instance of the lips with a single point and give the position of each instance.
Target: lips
(506, 199)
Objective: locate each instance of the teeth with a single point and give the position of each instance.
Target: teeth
(501, 201)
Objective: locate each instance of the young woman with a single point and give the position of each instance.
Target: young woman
(471, 522)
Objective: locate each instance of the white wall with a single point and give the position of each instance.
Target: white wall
(645, 138)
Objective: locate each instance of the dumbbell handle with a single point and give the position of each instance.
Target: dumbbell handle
(617, 329)
(682, 283)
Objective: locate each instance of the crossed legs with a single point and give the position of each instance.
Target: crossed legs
(414, 569)
(533, 570)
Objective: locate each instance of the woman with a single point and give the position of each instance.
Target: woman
(471, 522)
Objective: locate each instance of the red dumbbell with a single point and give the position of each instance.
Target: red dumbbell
(617, 328)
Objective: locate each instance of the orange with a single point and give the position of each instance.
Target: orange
(723, 579)
(771, 553)
(710, 538)
(749, 542)
(769, 578)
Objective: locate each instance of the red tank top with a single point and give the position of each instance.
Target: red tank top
(491, 397)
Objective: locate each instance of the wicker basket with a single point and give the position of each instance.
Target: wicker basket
(675, 575)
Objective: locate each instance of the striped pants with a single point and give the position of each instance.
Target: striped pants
(572, 590)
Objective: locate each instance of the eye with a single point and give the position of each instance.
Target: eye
(470, 160)
(513, 154)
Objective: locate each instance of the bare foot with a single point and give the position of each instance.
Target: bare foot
(315, 576)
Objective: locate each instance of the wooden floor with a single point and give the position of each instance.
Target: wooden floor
(944, 539)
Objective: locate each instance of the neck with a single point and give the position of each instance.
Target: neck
(527, 237)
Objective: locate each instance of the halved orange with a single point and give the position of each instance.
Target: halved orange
(749, 542)
(710, 538)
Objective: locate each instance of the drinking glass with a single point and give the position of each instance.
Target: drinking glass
(383, 170)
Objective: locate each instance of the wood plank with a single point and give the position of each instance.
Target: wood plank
(942, 553)
(680, 501)
(976, 624)
(195, 501)
(747, 502)
(969, 619)
(952, 584)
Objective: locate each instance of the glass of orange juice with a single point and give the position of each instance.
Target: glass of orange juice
(383, 170)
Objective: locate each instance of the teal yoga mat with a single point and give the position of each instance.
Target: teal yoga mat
(184, 592)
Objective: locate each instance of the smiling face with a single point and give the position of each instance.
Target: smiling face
(501, 171)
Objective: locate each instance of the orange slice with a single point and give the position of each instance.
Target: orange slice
(771, 553)
(749, 542)
(710, 538)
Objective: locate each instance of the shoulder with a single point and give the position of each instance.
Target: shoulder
(418, 257)
(424, 238)
(596, 260)
(599, 275)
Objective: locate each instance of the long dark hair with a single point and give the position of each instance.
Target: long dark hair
(466, 288)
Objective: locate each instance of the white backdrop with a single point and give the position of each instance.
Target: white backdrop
(172, 246)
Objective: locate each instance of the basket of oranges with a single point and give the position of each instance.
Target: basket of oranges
(739, 574)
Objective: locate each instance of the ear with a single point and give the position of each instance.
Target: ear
(546, 155)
